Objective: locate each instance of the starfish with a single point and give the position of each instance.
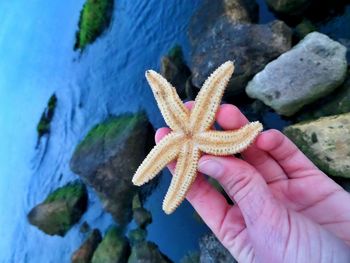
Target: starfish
(191, 133)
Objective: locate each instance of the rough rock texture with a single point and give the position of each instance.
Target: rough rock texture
(147, 252)
(87, 249)
(326, 142)
(137, 235)
(288, 7)
(175, 70)
(142, 217)
(236, 11)
(337, 102)
(212, 251)
(191, 257)
(250, 46)
(108, 157)
(309, 71)
(60, 210)
(114, 248)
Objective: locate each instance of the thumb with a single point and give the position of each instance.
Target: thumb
(244, 184)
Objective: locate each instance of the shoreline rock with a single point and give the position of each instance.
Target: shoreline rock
(309, 71)
(212, 251)
(61, 209)
(85, 252)
(109, 155)
(43, 126)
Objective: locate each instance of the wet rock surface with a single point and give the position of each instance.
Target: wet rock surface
(288, 7)
(85, 252)
(114, 248)
(212, 251)
(250, 46)
(235, 11)
(326, 142)
(60, 210)
(108, 157)
(142, 217)
(309, 71)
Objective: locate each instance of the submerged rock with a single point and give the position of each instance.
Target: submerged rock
(288, 7)
(114, 248)
(142, 217)
(147, 252)
(309, 71)
(108, 157)
(212, 251)
(46, 118)
(85, 252)
(137, 235)
(236, 11)
(60, 210)
(250, 46)
(326, 142)
(191, 257)
(175, 70)
(95, 17)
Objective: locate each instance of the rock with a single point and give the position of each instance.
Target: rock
(304, 27)
(44, 124)
(309, 71)
(114, 248)
(175, 70)
(191, 257)
(212, 251)
(142, 217)
(84, 227)
(147, 252)
(108, 157)
(326, 142)
(337, 102)
(87, 249)
(288, 7)
(250, 46)
(60, 210)
(137, 235)
(236, 11)
(136, 202)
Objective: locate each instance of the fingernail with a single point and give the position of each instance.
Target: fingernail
(210, 167)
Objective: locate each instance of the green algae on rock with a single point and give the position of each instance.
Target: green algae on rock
(85, 252)
(108, 157)
(114, 248)
(43, 126)
(137, 235)
(142, 217)
(61, 209)
(326, 142)
(95, 17)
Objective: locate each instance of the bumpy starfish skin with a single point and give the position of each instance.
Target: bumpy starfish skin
(191, 133)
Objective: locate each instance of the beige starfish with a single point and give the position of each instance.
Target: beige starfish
(191, 133)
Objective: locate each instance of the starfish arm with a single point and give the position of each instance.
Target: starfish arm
(228, 142)
(208, 99)
(173, 110)
(185, 173)
(161, 154)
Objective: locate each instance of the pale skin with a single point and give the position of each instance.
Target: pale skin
(286, 209)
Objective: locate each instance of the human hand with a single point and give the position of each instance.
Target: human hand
(286, 209)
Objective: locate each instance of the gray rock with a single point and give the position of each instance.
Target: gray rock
(60, 210)
(288, 7)
(108, 157)
(236, 11)
(147, 252)
(137, 235)
(250, 46)
(212, 251)
(326, 142)
(114, 248)
(85, 252)
(309, 71)
(142, 217)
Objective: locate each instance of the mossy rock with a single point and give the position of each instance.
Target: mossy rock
(114, 248)
(95, 17)
(325, 141)
(87, 249)
(108, 157)
(43, 126)
(137, 235)
(191, 257)
(142, 217)
(147, 252)
(61, 209)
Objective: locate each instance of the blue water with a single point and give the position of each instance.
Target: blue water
(36, 40)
